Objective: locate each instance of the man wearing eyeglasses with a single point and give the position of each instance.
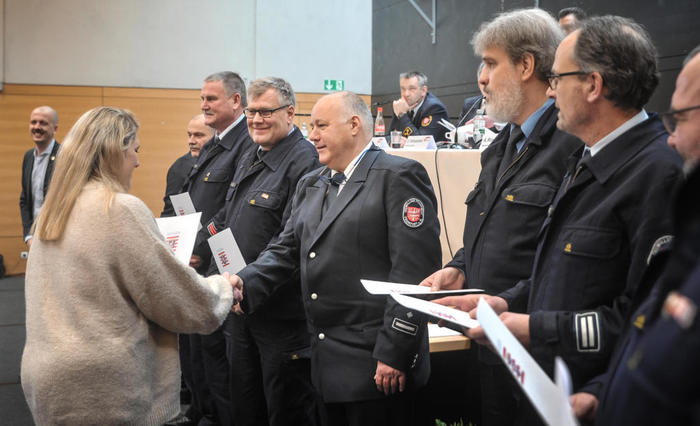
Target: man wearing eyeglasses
(652, 378)
(520, 174)
(609, 215)
(368, 215)
(223, 97)
(270, 381)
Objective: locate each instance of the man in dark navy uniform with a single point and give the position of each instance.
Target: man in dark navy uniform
(653, 376)
(270, 380)
(521, 172)
(610, 211)
(223, 98)
(367, 214)
(417, 111)
(198, 133)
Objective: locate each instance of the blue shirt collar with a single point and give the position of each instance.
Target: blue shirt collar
(529, 124)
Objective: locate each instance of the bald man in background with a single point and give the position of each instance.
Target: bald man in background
(37, 166)
(198, 133)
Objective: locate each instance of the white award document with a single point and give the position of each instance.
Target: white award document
(182, 204)
(180, 232)
(551, 403)
(454, 316)
(383, 288)
(226, 253)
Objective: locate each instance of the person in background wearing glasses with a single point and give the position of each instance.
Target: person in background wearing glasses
(367, 214)
(610, 215)
(652, 378)
(520, 174)
(267, 351)
(223, 98)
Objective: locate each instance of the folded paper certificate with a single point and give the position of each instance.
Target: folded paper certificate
(382, 288)
(226, 253)
(548, 398)
(451, 315)
(180, 232)
(182, 204)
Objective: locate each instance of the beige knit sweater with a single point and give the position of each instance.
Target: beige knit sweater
(104, 304)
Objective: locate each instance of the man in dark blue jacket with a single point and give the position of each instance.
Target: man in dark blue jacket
(270, 380)
(652, 378)
(417, 111)
(367, 214)
(519, 178)
(223, 99)
(610, 211)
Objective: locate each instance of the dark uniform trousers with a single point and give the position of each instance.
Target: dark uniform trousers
(505, 211)
(425, 121)
(267, 351)
(593, 250)
(653, 376)
(207, 184)
(382, 226)
(26, 199)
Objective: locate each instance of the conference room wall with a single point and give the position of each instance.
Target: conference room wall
(163, 115)
(401, 41)
(175, 43)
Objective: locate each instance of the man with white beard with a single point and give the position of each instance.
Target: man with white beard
(521, 171)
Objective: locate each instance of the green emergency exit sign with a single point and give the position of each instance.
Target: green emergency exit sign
(331, 85)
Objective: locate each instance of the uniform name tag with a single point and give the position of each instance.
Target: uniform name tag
(404, 326)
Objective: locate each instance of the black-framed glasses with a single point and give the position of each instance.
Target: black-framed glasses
(670, 118)
(554, 78)
(264, 113)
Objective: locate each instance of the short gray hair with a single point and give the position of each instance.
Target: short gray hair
(354, 105)
(232, 82)
(285, 93)
(520, 32)
(422, 78)
(622, 52)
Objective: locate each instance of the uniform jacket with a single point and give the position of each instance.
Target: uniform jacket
(506, 211)
(469, 108)
(593, 249)
(383, 226)
(425, 120)
(258, 203)
(176, 178)
(26, 200)
(652, 378)
(209, 179)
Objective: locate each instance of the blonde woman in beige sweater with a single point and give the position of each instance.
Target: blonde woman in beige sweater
(105, 296)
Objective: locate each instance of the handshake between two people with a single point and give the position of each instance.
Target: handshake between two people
(237, 284)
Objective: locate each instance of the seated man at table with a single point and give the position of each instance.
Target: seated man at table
(417, 111)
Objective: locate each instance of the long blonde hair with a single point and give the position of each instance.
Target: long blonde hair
(92, 151)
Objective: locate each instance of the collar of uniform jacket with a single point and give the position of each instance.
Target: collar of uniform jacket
(230, 138)
(276, 155)
(619, 151)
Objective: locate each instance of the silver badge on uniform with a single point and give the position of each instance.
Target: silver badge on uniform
(660, 245)
(587, 332)
(413, 213)
(404, 326)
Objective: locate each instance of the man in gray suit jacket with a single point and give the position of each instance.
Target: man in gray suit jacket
(366, 214)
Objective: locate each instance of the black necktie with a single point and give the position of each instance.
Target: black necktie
(410, 115)
(511, 151)
(586, 154)
(259, 154)
(332, 191)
